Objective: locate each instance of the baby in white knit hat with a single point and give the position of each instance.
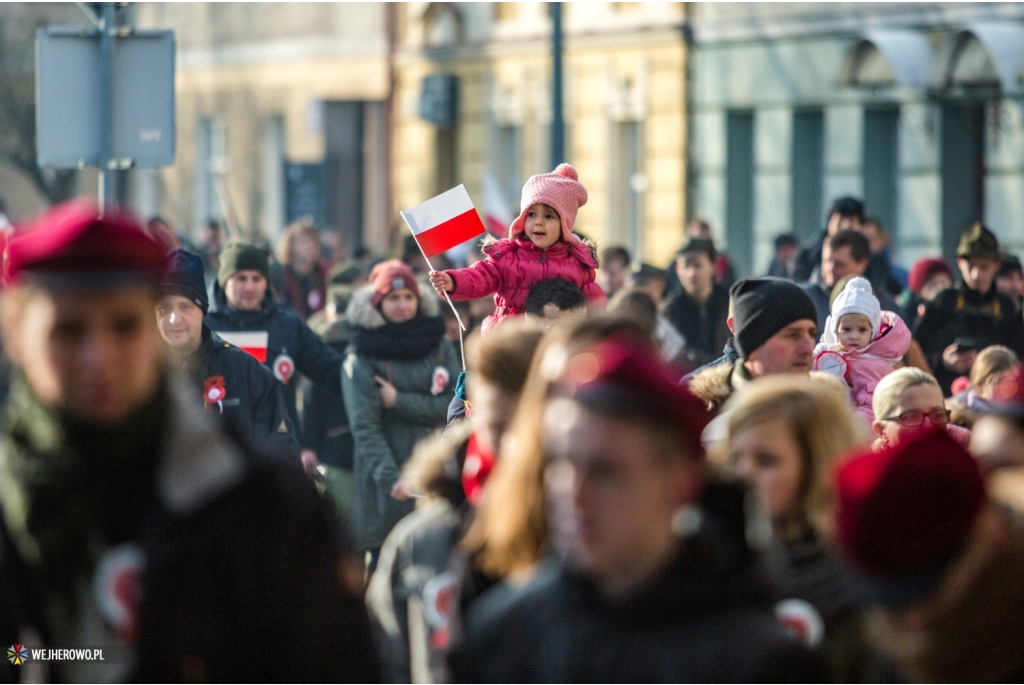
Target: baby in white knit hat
(861, 343)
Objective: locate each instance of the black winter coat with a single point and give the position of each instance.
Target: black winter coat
(324, 416)
(704, 327)
(990, 319)
(707, 618)
(242, 558)
(289, 339)
(252, 402)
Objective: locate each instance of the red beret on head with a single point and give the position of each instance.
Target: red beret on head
(391, 275)
(628, 378)
(909, 508)
(72, 244)
(924, 269)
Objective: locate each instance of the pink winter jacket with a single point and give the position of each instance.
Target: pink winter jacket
(513, 266)
(866, 366)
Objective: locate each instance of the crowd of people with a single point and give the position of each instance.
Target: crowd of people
(625, 473)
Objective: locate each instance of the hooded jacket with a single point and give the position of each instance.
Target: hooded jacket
(707, 617)
(234, 555)
(865, 367)
(424, 378)
(291, 347)
(512, 267)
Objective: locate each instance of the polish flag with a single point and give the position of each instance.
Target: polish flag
(443, 222)
(253, 342)
(497, 214)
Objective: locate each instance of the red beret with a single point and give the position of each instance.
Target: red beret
(393, 274)
(627, 377)
(71, 243)
(924, 269)
(909, 508)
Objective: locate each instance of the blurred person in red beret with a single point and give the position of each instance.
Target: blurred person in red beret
(650, 577)
(128, 518)
(942, 564)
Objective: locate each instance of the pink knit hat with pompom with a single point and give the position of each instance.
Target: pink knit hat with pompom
(561, 190)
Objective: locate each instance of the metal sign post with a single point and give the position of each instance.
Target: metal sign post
(105, 99)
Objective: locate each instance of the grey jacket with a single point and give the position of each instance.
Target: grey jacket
(384, 438)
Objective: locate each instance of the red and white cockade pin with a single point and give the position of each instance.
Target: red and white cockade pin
(213, 390)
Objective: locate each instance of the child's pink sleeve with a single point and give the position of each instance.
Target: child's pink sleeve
(596, 299)
(480, 280)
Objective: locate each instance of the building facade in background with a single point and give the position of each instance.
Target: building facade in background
(473, 100)
(916, 107)
(282, 113)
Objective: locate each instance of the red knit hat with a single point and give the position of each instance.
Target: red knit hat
(624, 375)
(924, 269)
(906, 511)
(72, 245)
(560, 190)
(392, 275)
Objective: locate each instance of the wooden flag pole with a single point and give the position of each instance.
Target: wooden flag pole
(462, 326)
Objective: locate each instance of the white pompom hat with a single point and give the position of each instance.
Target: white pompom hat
(857, 298)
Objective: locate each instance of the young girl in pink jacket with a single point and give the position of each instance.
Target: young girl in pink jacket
(861, 344)
(541, 245)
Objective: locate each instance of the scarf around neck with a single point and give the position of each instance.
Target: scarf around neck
(406, 341)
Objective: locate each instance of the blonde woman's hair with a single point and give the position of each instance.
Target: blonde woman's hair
(888, 391)
(991, 362)
(824, 427)
(510, 531)
(304, 226)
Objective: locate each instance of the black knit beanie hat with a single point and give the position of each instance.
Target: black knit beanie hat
(184, 276)
(237, 257)
(761, 307)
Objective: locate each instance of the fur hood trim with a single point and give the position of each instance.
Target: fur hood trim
(713, 386)
(362, 314)
(433, 467)
(495, 248)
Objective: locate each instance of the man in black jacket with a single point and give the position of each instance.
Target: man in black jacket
(128, 518)
(654, 580)
(245, 314)
(233, 383)
(699, 311)
(965, 319)
(846, 212)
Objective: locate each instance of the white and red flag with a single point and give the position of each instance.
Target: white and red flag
(253, 342)
(443, 222)
(496, 212)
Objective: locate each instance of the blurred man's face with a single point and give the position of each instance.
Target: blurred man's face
(837, 222)
(978, 272)
(612, 491)
(788, 351)
(614, 276)
(94, 355)
(838, 264)
(696, 272)
(935, 285)
(180, 322)
(786, 253)
(245, 290)
(1011, 285)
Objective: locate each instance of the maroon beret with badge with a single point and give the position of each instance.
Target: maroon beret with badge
(910, 507)
(628, 378)
(73, 245)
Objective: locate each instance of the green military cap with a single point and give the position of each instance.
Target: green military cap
(978, 241)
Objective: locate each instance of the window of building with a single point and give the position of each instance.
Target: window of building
(808, 166)
(628, 184)
(880, 154)
(211, 165)
(508, 162)
(963, 170)
(274, 152)
(739, 188)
